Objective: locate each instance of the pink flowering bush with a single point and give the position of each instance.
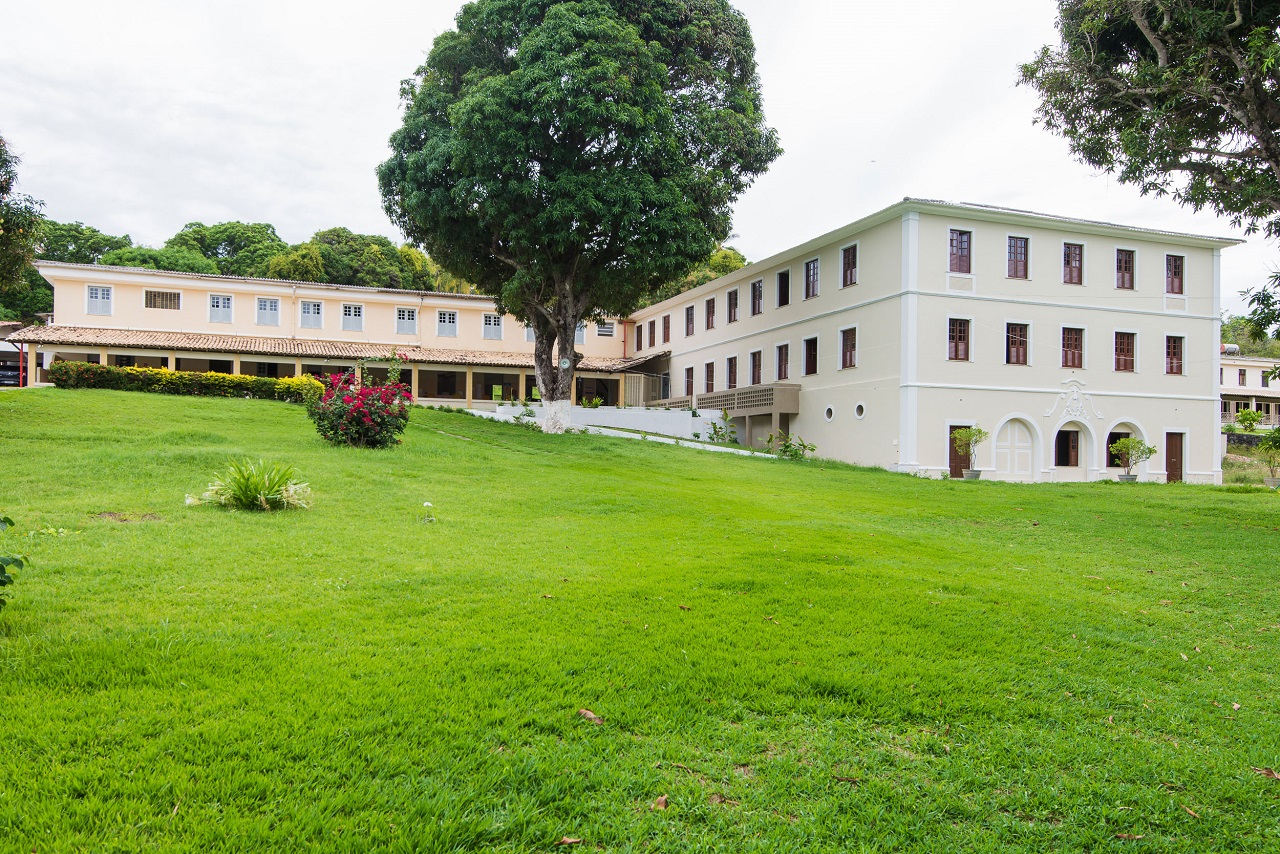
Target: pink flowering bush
(363, 416)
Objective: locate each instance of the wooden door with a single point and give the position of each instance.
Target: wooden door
(958, 461)
(1173, 448)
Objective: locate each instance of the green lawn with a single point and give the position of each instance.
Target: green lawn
(803, 657)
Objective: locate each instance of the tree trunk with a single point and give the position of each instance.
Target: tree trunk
(555, 364)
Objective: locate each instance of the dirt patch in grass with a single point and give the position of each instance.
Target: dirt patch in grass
(128, 517)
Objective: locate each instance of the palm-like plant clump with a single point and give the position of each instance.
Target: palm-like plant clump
(260, 486)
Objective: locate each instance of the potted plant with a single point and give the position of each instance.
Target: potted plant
(1130, 453)
(1269, 449)
(967, 440)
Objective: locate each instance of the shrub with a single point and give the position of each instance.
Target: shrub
(260, 486)
(789, 446)
(1269, 451)
(9, 562)
(361, 415)
(164, 381)
(722, 432)
(593, 403)
(1248, 419)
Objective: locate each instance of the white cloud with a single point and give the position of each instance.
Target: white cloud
(140, 115)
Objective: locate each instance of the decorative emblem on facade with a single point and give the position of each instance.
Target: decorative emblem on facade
(1075, 403)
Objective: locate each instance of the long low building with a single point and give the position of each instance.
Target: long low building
(875, 342)
(1247, 384)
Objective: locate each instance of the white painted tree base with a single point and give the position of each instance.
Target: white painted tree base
(559, 416)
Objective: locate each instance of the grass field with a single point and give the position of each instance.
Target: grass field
(802, 657)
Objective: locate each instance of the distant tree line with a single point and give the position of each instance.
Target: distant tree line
(334, 256)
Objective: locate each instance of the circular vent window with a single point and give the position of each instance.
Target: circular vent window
(830, 413)
(860, 411)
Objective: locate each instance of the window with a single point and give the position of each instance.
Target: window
(688, 321)
(171, 300)
(1018, 247)
(493, 327)
(757, 360)
(406, 321)
(666, 329)
(757, 297)
(268, 369)
(810, 356)
(352, 318)
(580, 333)
(849, 348)
(1244, 376)
(849, 266)
(1173, 354)
(709, 376)
(311, 314)
(1266, 380)
(1113, 459)
(961, 242)
(268, 311)
(711, 313)
(784, 361)
(1067, 452)
(731, 372)
(1072, 264)
(811, 279)
(1124, 269)
(447, 324)
(1173, 274)
(1126, 346)
(604, 329)
(220, 309)
(784, 288)
(639, 336)
(958, 340)
(1072, 347)
(688, 382)
(1015, 343)
(530, 335)
(99, 300)
(653, 333)
(732, 299)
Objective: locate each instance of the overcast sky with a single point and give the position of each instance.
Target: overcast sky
(137, 116)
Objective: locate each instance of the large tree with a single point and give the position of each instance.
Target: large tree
(20, 221)
(570, 157)
(237, 248)
(1177, 97)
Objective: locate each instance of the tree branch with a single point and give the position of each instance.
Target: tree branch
(1139, 18)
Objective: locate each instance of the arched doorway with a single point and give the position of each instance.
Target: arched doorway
(1015, 451)
(1073, 452)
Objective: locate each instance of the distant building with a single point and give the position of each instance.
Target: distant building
(1246, 384)
(875, 341)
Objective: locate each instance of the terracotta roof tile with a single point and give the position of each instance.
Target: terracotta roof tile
(291, 347)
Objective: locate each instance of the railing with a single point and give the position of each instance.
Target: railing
(750, 400)
(1267, 421)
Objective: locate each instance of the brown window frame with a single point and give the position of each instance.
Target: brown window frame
(1070, 459)
(958, 338)
(690, 320)
(710, 312)
(849, 348)
(653, 333)
(756, 366)
(849, 266)
(731, 372)
(732, 300)
(810, 356)
(1073, 263)
(1175, 267)
(784, 287)
(639, 336)
(812, 277)
(709, 377)
(1072, 347)
(1126, 264)
(1019, 257)
(666, 329)
(1174, 353)
(960, 244)
(1126, 353)
(1017, 343)
(688, 381)
(1243, 377)
(757, 297)
(782, 362)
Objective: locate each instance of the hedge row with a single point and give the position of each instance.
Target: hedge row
(164, 381)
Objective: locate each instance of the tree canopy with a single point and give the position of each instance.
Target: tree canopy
(721, 262)
(178, 260)
(20, 219)
(236, 248)
(77, 243)
(571, 157)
